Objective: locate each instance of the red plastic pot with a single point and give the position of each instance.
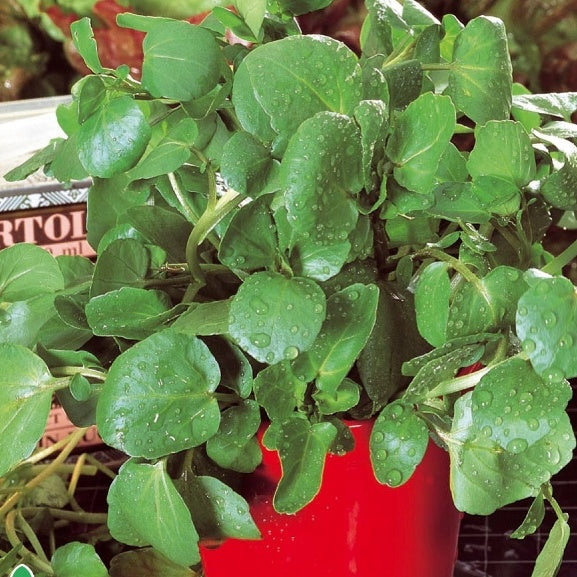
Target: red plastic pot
(355, 526)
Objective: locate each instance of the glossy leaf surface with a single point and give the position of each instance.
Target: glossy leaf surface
(146, 509)
(158, 396)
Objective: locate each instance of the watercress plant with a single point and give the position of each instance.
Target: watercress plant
(291, 233)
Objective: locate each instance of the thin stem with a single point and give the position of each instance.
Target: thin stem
(26, 555)
(206, 223)
(458, 384)
(555, 266)
(31, 536)
(67, 371)
(73, 440)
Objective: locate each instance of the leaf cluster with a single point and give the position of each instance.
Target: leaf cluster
(291, 233)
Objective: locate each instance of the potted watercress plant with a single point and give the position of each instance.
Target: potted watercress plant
(290, 232)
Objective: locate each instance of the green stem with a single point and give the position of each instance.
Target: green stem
(458, 384)
(456, 264)
(64, 372)
(399, 54)
(206, 223)
(561, 260)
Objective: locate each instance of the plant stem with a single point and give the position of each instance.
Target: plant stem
(24, 553)
(206, 223)
(68, 371)
(72, 440)
(555, 266)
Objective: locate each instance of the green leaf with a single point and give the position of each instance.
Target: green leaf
(245, 164)
(551, 556)
(282, 83)
(299, 7)
(279, 391)
(253, 13)
(432, 295)
(38, 160)
(404, 81)
(234, 445)
(302, 449)
(158, 396)
(372, 118)
(503, 148)
(459, 201)
(398, 443)
(154, 221)
(26, 271)
(320, 173)
(343, 399)
(533, 519)
(480, 78)
(497, 196)
(442, 366)
(452, 166)
(68, 559)
(274, 318)
(393, 340)
(250, 241)
(181, 61)
(561, 104)
(484, 477)
(218, 511)
(146, 562)
(114, 138)
(85, 44)
(25, 400)
(209, 318)
(486, 305)
(560, 188)
(547, 327)
(131, 313)
(169, 154)
(350, 318)
(123, 263)
(146, 509)
(517, 412)
(419, 138)
(235, 368)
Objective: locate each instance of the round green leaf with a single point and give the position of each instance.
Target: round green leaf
(274, 318)
(181, 61)
(398, 443)
(480, 78)
(26, 270)
(158, 399)
(547, 327)
(73, 557)
(129, 312)
(25, 400)
(146, 509)
(503, 148)
(113, 139)
(484, 477)
(515, 408)
(292, 79)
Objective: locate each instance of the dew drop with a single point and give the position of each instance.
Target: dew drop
(394, 478)
(529, 346)
(517, 446)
